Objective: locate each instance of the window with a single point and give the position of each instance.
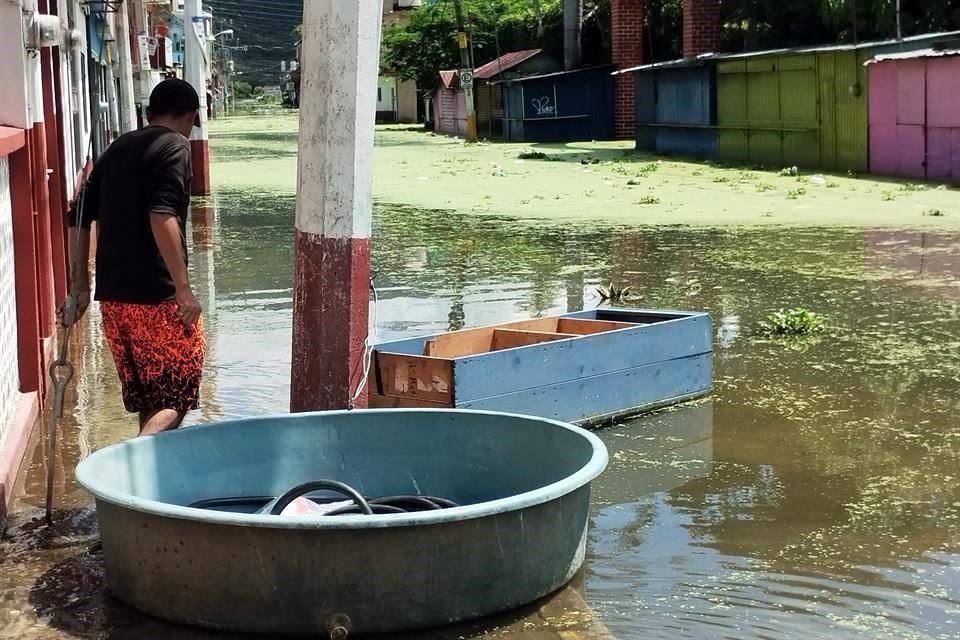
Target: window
(379, 94)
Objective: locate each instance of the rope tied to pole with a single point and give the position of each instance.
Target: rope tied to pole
(366, 360)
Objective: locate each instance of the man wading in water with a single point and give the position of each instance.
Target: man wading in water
(138, 194)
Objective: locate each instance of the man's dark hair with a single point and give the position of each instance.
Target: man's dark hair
(173, 97)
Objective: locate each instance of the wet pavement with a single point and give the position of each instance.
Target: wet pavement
(816, 494)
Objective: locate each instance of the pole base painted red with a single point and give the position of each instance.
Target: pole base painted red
(200, 157)
(331, 305)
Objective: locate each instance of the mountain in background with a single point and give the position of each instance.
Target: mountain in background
(263, 35)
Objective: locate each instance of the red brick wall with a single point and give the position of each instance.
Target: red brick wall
(627, 51)
(701, 27)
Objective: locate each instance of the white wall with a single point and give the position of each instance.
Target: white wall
(386, 94)
(14, 108)
(9, 378)
(76, 99)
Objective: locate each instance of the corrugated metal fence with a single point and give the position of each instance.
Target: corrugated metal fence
(676, 111)
(914, 118)
(807, 110)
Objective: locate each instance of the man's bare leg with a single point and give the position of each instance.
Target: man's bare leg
(160, 420)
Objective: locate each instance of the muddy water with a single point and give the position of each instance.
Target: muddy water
(816, 495)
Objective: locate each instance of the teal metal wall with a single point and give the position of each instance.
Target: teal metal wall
(675, 110)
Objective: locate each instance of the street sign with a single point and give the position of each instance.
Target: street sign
(466, 78)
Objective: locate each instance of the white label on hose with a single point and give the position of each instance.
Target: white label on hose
(305, 507)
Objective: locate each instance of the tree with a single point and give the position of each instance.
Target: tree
(420, 47)
(763, 24)
(244, 90)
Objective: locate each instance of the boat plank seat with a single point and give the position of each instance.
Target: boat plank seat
(511, 338)
(469, 342)
(582, 327)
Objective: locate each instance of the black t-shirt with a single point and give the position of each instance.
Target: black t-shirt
(142, 172)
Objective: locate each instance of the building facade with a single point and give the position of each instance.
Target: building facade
(66, 70)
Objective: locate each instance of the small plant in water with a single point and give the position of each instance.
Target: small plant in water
(632, 182)
(934, 212)
(789, 171)
(648, 200)
(888, 196)
(721, 179)
(763, 186)
(793, 194)
(613, 293)
(913, 187)
(792, 322)
(648, 167)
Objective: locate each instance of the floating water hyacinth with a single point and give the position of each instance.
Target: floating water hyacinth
(792, 322)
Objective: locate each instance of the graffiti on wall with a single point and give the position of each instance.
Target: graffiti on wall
(542, 106)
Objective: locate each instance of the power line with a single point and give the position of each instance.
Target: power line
(262, 5)
(229, 13)
(287, 20)
(229, 7)
(294, 7)
(254, 14)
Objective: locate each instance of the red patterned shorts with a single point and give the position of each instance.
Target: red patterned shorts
(159, 359)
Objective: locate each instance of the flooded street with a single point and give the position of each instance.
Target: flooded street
(815, 494)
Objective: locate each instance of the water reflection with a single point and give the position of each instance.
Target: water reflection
(816, 495)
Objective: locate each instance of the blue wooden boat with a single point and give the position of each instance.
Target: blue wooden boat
(587, 367)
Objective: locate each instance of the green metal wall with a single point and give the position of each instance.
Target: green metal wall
(793, 109)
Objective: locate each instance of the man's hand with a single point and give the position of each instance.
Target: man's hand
(188, 306)
(81, 300)
(166, 232)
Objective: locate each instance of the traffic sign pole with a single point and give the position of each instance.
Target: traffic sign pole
(466, 73)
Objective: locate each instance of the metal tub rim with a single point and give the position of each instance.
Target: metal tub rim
(86, 478)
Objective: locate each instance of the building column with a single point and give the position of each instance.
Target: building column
(37, 143)
(701, 27)
(128, 109)
(49, 71)
(627, 51)
(341, 43)
(195, 72)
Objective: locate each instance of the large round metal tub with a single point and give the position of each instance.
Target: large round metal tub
(520, 533)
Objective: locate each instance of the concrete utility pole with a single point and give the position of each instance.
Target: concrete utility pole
(466, 72)
(572, 25)
(195, 72)
(899, 25)
(341, 42)
(128, 114)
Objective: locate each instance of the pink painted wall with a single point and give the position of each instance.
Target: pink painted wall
(450, 112)
(914, 119)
